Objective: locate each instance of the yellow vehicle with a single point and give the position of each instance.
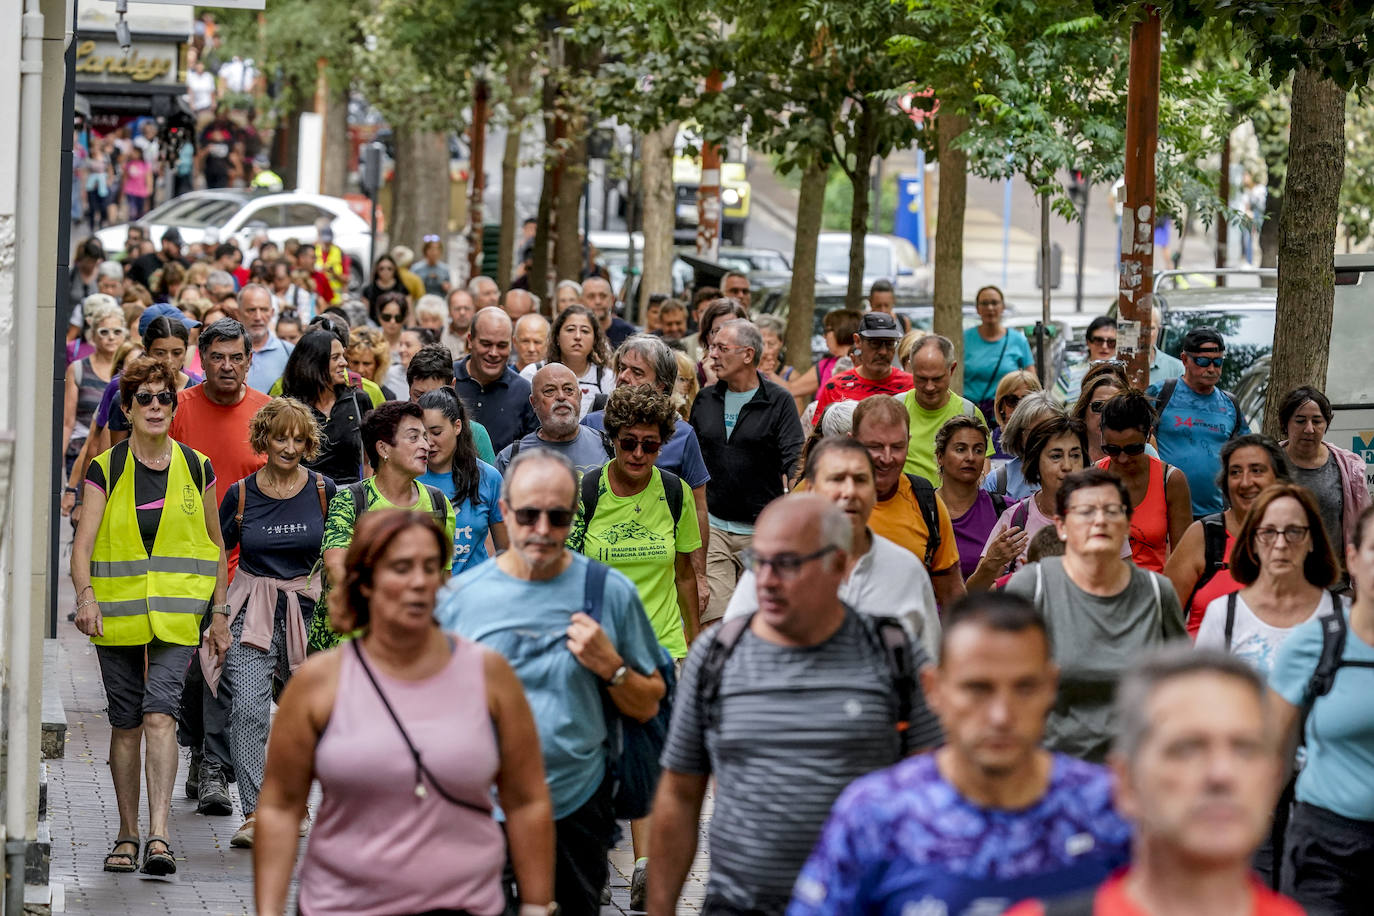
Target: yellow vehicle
(734, 187)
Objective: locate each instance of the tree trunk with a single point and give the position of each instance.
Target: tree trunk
(284, 146)
(949, 236)
(864, 143)
(544, 226)
(1307, 240)
(656, 163)
(1224, 194)
(334, 178)
(567, 250)
(801, 307)
(421, 187)
(1269, 229)
(518, 78)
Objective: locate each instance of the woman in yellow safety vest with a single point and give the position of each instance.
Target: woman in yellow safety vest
(147, 563)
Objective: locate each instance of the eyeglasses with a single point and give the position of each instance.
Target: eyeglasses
(111, 332)
(165, 398)
(719, 348)
(1096, 406)
(393, 317)
(629, 443)
(1135, 448)
(1098, 340)
(558, 516)
(1206, 362)
(1010, 401)
(431, 238)
(1292, 534)
(1112, 513)
(786, 565)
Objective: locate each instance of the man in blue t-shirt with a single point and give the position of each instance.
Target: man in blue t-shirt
(991, 817)
(527, 604)
(1196, 418)
(645, 360)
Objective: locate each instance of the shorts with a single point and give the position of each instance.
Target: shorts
(129, 696)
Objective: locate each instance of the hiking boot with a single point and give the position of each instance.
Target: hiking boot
(639, 886)
(214, 791)
(243, 839)
(193, 776)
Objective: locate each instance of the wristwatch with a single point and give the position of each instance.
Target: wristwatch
(221, 609)
(69, 489)
(619, 677)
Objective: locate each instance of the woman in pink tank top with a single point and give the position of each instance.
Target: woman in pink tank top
(1162, 508)
(408, 730)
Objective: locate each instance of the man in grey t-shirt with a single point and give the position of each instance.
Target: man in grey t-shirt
(556, 398)
(805, 705)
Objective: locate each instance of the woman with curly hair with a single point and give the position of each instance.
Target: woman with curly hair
(577, 341)
(370, 356)
(276, 518)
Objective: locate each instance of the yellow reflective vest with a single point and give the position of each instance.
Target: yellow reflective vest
(161, 596)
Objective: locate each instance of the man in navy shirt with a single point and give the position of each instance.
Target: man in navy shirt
(597, 296)
(991, 817)
(646, 360)
(495, 393)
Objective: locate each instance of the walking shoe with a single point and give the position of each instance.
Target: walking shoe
(244, 838)
(193, 776)
(639, 886)
(606, 894)
(214, 791)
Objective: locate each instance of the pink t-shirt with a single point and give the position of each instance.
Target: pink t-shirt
(136, 173)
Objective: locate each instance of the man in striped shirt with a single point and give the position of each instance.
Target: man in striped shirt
(804, 703)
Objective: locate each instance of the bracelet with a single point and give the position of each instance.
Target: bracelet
(86, 604)
(69, 489)
(220, 609)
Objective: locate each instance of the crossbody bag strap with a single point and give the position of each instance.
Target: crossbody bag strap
(421, 771)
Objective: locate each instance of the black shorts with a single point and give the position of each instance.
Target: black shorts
(1328, 862)
(129, 695)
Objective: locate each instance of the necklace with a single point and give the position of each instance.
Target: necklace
(281, 490)
(155, 464)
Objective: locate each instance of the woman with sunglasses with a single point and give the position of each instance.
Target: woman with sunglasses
(87, 379)
(393, 317)
(316, 374)
(1009, 480)
(1161, 507)
(408, 730)
(472, 486)
(386, 278)
(1198, 566)
(1011, 390)
(148, 563)
(1100, 385)
(1284, 562)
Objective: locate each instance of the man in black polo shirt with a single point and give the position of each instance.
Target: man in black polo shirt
(751, 438)
(495, 393)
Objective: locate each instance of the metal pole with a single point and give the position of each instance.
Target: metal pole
(1138, 213)
(1041, 368)
(1082, 245)
(372, 234)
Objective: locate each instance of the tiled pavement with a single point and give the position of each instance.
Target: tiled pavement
(212, 877)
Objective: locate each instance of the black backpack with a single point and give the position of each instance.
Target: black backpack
(119, 455)
(887, 634)
(672, 492)
(1213, 553)
(437, 502)
(1331, 660)
(930, 513)
(1166, 392)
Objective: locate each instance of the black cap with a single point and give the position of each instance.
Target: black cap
(1203, 338)
(879, 325)
(172, 235)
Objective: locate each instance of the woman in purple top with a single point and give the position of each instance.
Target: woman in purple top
(960, 450)
(420, 726)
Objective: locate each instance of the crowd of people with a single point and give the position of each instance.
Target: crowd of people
(515, 572)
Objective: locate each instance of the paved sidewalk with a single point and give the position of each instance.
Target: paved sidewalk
(212, 877)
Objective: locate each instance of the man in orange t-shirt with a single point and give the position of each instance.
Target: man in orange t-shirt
(1197, 771)
(213, 419)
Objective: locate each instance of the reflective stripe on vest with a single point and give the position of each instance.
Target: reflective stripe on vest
(161, 596)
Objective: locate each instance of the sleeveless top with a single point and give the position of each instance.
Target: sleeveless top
(89, 391)
(1219, 585)
(1149, 520)
(376, 848)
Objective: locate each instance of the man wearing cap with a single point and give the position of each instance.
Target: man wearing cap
(875, 345)
(1196, 418)
(143, 268)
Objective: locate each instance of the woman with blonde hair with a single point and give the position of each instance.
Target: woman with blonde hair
(1014, 386)
(686, 388)
(87, 378)
(369, 355)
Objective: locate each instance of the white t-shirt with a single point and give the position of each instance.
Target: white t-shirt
(596, 380)
(201, 86)
(888, 581)
(1035, 520)
(1251, 638)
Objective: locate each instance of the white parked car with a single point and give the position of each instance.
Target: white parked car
(240, 214)
(886, 257)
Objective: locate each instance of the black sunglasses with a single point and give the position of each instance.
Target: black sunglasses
(650, 446)
(1096, 406)
(559, 516)
(165, 398)
(1100, 341)
(1010, 401)
(391, 316)
(1135, 448)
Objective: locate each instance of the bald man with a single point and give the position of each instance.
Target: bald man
(519, 303)
(597, 296)
(556, 397)
(531, 339)
(494, 393)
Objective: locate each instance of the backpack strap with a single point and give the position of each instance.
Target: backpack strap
(1333, 647)
(437, 502)
(193, 465)
(119, 456)
(591, 492)
(359, 492)
(1235, 427)
(514, 450)
(930, 513)
(243, 498)
(970, 408)
(1022, 513)
(1039, 583)
(319, 488)
(594, 590)
(1166, 393)
(999, 481)
(1230, 618)
(1154, 584)
(1213, 553)
(672, 492)
(892, 638)
(599, 400)
(727, 636)
(999, 503)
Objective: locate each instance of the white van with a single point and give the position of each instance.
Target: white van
(1350, 372)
